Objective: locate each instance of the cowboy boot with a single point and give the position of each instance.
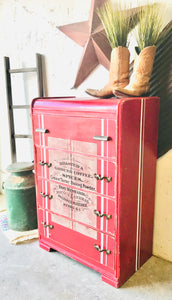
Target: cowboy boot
(142, 70)
(118, 73)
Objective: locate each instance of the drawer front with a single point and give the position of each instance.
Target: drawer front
(87, 208)
(77, 237)
(84, 172)
(76, 134)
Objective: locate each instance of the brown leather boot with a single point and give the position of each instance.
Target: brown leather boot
(142, 70)
(118, 73)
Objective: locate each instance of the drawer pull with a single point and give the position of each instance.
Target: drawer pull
(45, 163)
(101, 138)
(45, 195)
(98, 214)
(42, 130)
(98, 177)
(47, 225)
(102, 250)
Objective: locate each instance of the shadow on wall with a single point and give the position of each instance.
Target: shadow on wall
(161, 86)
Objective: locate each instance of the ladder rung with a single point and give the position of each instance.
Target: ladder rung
(23, 70)
(36, 70)
(20, 106)
(22, 136)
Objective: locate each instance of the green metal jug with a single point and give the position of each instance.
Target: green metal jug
(19, 189)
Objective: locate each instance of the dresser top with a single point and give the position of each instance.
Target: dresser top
(82, 104)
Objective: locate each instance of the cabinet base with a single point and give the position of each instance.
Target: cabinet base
(112, 281)
(106, 277)
(45, 247)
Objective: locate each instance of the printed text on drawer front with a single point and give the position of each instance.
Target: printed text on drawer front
(93, 210)
(83, 172)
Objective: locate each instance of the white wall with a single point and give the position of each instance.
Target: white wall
(162, 245)
(28, 27)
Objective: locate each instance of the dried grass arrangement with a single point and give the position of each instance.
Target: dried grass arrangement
(117, 23)
(150, 23)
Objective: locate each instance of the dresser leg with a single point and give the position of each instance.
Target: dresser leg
(110, 280)
(44, 246)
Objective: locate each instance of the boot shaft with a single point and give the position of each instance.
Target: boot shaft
(142, 69)
(119, 67)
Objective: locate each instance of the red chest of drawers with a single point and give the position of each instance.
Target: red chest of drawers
(95, 166)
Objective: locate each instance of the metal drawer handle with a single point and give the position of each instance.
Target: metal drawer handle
(42, 130)
(101, 138)
(45, 163)
(45, 195)
(98, 177)
(102, 250)
(47, 225)
(98, 214)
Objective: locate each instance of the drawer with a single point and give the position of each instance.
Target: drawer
(88, 173)
(87, 208)
(77, 237)
(76, 134)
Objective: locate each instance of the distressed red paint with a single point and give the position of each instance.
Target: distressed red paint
(84, 213)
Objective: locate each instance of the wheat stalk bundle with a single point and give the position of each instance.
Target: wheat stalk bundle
(150, 24)
(117, 23)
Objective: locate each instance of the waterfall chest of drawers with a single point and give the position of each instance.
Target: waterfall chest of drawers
(95, 166)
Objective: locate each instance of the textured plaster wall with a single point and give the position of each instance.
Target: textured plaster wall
(162, 245)
(28, 27)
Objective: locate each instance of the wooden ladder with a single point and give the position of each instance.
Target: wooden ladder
(11, 107)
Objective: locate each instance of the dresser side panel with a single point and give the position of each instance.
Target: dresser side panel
(128, 166)
(138, 123)
(149, 178)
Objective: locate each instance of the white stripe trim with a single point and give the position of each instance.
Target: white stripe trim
(140, 178)
(42, 186)
(107, 154)
(102, 189)
(141, 184)
(45, 168)
(47, 222)
(45, 172)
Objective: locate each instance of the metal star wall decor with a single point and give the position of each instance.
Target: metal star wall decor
(90, 35)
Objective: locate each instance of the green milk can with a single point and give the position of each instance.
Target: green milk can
(19, 190)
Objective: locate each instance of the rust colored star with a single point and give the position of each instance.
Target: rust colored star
(90, 35)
